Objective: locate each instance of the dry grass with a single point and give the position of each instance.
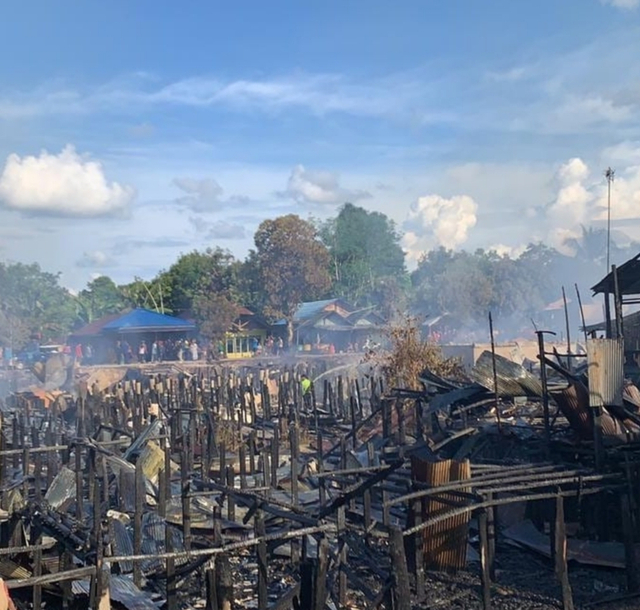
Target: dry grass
(406, 355)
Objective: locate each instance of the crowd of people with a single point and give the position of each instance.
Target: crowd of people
(156, 351)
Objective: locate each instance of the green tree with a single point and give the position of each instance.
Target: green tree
(365, 252)
(193, 274)
(101, 297)
(33, 302)
(293, 265)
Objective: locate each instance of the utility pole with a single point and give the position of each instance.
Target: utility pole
(609, 174)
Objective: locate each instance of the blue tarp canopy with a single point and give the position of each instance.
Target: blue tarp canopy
(144, 320)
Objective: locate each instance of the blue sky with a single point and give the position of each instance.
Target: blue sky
(133, 131)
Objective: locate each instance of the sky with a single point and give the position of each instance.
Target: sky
(132, 132)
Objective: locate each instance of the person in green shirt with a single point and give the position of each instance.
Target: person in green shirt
(307, 390)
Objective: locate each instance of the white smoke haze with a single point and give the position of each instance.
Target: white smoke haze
(61, 185)
(437, 221)
(319, 187)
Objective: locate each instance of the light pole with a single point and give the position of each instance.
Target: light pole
(609, 174)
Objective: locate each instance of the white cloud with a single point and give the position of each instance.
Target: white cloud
(307, 186)
(226, 230)
(201, 195)
(64, 185)
(625, 4)
(95, 259)
(394, 95)
(582, 199)
(436, 220)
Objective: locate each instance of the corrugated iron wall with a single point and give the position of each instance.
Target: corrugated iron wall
(605, 358)
(445, 543)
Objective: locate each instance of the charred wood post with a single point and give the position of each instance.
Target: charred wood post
(562, 572)
(628, 531)
(210, 583)
(137, 521)
(485, 571)
(261, 556)
(401, 589)
(495, 373)
(186, 500)
(545, 389)
(224, 583)
(418, 549)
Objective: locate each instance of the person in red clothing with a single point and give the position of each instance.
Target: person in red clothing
(78, 353)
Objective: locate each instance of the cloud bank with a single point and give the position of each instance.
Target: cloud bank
(61, 185)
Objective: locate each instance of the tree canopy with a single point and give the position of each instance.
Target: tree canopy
(293, 265)
(356, 255)
(365, 253)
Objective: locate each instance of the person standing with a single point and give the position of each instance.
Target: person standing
(306, 385)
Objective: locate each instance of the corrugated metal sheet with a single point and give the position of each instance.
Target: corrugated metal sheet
(513, 379)
(152, 460)
(11, 570)
(605, 359)
(445, 543)
(150, 432)
(122, 543)
(62, 488)
(121, 590)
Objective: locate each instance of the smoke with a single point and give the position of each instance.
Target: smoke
(435, 220)
(61, 185)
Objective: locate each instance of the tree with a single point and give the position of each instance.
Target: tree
(101, 297)
(192, 274)
(215, 313)
(365, 249)
(33, 303)
(293, 265)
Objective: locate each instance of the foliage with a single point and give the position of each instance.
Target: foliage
(101, 297)
(214, 312)
(365, 254)
(248, 287)
(406, 355)
(194, 273)
(33, 303)
(292, 264)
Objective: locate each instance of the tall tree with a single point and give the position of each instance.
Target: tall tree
(365, 251)
(101, 297)
(293, 265)
(194, 273)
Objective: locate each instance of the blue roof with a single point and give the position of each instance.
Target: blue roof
(309, 310)
(145, 320)
(312, 309)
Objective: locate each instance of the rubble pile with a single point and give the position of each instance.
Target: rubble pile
(227, 488)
